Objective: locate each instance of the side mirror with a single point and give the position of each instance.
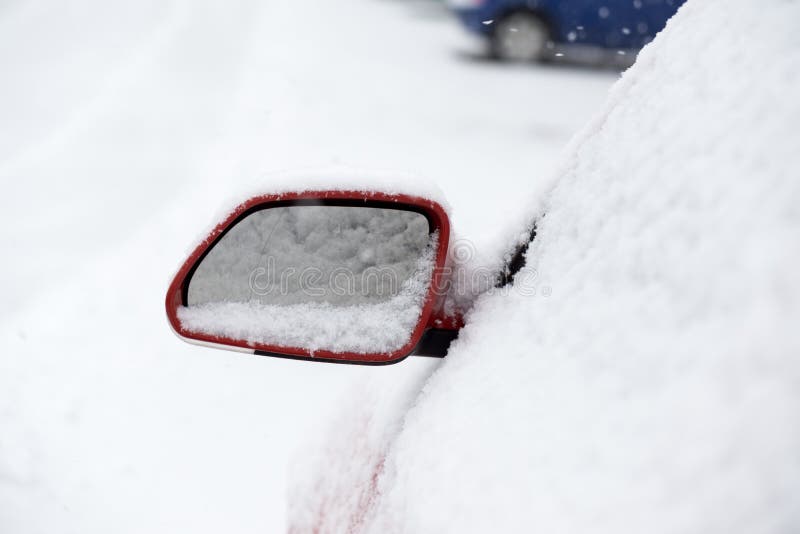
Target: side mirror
(339, 276)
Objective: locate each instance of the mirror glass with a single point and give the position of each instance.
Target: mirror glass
(317, 277)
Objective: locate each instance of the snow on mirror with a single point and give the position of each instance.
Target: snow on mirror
(317, 277)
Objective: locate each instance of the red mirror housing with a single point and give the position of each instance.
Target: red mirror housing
(430, 335)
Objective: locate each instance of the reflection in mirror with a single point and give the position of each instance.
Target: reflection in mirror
(317, 277)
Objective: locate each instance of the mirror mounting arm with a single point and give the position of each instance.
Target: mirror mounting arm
(517, 261)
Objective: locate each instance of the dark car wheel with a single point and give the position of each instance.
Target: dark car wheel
(520, 36)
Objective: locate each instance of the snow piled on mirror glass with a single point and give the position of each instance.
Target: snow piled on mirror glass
(338, 278)
(653, 383)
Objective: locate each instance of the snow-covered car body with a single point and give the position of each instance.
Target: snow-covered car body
(654, 387)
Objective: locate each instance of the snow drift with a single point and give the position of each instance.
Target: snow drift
(657, 388)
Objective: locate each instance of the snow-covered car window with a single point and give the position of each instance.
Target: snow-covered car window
(343, 278)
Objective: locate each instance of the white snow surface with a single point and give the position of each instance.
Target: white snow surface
(382, 327)
(125, 126)
(655, 386)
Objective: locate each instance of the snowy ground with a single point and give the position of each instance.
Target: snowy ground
(122, 127)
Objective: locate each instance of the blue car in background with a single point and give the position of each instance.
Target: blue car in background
(524, 30)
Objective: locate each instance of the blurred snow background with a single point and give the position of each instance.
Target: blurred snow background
(123, 126)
